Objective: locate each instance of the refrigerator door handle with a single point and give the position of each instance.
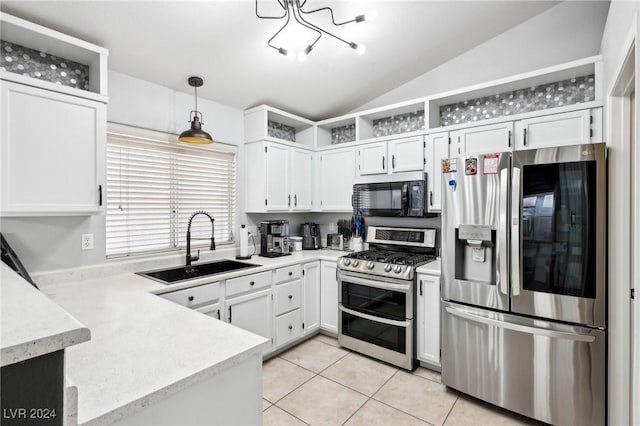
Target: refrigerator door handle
(515, 233)
(520, 328)
(502, 232)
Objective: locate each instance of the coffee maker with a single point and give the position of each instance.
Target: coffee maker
(274, 238)
(310, 236)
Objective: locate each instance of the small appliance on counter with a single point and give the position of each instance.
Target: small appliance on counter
(310, 236)
(274, 238)
(295, 243)
(335, 241)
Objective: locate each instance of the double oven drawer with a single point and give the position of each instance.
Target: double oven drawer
(376, 318)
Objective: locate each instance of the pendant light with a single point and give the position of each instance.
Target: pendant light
(195, 134)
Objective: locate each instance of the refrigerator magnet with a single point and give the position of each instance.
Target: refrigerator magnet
(490, 164)
(471, 166)
(449, 165)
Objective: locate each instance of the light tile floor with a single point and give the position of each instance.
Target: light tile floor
(319, 383)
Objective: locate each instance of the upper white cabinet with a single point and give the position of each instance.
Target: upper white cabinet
(336, 172)
(406, 155)
(52, 152)
(483, 139)
(570, 128)
(53, 133)
(395, 156)
(436, 148)
(372, 159)
(279, 178)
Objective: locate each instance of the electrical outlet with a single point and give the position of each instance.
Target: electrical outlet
(87, 241)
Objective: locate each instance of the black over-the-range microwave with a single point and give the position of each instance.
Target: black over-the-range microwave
(403, 195)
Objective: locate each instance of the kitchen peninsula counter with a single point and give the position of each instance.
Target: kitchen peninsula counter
(145, 349)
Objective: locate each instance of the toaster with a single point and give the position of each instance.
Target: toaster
(335, 241)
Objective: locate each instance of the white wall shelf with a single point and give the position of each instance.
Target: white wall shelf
(256, 126)
(33, 36)
(324, 130)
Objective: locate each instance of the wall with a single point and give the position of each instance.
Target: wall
(622, 22)
(571, 30)
(50, 243)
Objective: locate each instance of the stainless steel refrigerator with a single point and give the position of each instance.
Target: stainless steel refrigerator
(524, 281)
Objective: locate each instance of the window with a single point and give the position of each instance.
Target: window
(155, 184)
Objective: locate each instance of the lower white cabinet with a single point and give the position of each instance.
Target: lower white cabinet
(252, 312)
(329, 297)
(311, 296)
(214, 310)
(429, 319)
(288, 327)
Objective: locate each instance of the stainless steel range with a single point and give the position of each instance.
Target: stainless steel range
(377, 294)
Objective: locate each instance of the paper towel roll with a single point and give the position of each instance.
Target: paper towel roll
(244, 241)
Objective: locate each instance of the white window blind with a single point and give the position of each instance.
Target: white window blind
(153, 188)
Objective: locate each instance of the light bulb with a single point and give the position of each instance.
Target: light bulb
(371, 15)
(360, 49)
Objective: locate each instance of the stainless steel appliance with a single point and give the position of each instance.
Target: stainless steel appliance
(274, 238)
(310, 236)
(401, 195)
(524, 295)
(377, 294)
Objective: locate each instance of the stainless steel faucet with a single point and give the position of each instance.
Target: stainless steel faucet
(190, 258)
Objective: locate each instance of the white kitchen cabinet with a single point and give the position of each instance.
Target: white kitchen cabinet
(288, 327)
(372, 159)
(337, 170)
(407, 155)
(311, 296)
(252, 312)
(328, 297)
(436, 148)
(429, 318)
(301, 177)
(483, 139)
(279, 178)
(214, 310)
(52, 154)
(569, 128)
(288, 296)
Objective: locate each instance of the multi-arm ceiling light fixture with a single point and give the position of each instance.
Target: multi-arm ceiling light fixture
(295, 8)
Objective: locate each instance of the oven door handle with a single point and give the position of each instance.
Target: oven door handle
(374, 318)
(374, 283)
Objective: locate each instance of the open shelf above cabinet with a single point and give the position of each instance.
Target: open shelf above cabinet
(336, 131)
(41, 57)
(393, 120)
(267, 123)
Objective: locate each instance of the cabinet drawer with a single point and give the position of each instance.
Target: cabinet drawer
(288, 296)
(287, 274)
(288, 327)
(195, 296)
(248, 282)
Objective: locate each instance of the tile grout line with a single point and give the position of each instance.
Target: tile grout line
(451, 410)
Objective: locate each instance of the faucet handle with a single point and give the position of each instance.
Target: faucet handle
(196, 257)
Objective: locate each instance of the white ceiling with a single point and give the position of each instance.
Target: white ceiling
(224, 42)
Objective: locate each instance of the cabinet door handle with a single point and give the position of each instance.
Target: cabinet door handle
(289, 203)
(252, 283)
(383, 162)
(218, 313)
(509, 139)
(290, 296)
(99, 195)
(190, 298)
(431, 198)
(290, 273)
(290, 327)
(420, 287)
(229, 313)
(393, 162)
(295, 200)
(525, 137)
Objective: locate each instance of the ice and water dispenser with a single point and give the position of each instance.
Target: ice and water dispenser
(475, 253)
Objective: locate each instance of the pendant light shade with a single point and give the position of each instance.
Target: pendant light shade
(195, 134)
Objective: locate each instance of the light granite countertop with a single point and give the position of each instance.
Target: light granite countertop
(143, 347)
(32, 324)
(432, 268)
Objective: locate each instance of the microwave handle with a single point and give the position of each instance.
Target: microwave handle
(405, 204)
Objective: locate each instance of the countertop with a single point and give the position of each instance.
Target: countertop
(144, 347)
(32, 324)
(431, 268)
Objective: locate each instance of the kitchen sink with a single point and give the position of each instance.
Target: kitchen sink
(183, 273)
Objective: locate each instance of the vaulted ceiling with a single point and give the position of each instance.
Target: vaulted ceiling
(224, 42)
